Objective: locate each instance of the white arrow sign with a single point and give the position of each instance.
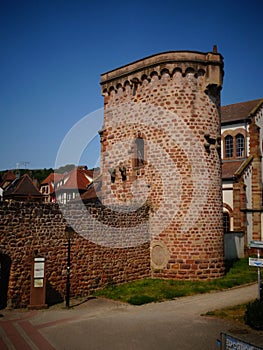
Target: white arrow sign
(256, 262)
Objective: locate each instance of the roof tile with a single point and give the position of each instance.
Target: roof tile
(77, 178)
(239, 111)
(229, 168)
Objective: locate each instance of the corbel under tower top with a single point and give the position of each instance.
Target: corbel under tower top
(209, 64)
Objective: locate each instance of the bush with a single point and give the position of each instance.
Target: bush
(254, 314)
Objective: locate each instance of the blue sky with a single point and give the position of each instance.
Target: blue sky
(52, 53)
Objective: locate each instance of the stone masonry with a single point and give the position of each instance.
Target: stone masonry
(38, 229)
(161, 146)
(160, 208)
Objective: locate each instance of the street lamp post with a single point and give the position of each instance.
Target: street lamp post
(68, 233)
(257, 262)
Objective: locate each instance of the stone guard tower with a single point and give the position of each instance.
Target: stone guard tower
(160, 145)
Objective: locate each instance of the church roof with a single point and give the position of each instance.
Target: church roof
(234, 168)
(239, 111)
(230, 168)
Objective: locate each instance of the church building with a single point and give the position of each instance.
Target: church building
(242, 142)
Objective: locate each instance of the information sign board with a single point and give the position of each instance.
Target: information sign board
(39, 268)
(230, 342)
(257, 262)
(39, 283)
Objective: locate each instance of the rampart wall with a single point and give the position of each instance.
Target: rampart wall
(37, 229)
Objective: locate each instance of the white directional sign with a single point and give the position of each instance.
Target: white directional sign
(256, 244)
(256, 262)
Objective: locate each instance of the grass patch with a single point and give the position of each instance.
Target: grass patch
(156, 290)
(140, 299)
(234, 313)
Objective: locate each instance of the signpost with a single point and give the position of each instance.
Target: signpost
(258, 262)
(38, 284)
(256, 244)
(229, 342)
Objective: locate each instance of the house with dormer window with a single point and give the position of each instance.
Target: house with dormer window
(72, 184)
(47, 187)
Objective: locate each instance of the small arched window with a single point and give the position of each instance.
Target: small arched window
(229, 146)
(139, 152)
(240, 145)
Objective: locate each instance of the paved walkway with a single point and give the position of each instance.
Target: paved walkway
(104, 325)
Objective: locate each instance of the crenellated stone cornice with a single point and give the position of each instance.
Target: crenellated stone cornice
(210, 65)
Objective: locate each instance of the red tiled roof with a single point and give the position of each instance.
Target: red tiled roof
(48, 179)
(239, 111)
(22, 187)
(93, 191)
(76, 178)
(7, 178)
(230, 168)
(235, 168)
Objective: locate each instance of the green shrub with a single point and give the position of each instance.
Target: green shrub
(254, 314)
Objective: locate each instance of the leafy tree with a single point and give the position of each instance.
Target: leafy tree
(65, 168)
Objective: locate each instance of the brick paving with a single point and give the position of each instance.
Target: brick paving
(104, 324)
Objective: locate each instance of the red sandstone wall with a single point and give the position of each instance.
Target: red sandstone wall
(29, 227)
(254, 132)
(175, 108)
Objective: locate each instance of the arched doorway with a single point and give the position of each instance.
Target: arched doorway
(5, 265)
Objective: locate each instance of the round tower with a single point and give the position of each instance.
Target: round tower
(160, 146)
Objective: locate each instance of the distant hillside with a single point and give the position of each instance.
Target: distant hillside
(41, 174)
(37, 174)
(65, 168)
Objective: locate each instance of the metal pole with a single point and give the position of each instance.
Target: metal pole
(68, 276)
(259, 282)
